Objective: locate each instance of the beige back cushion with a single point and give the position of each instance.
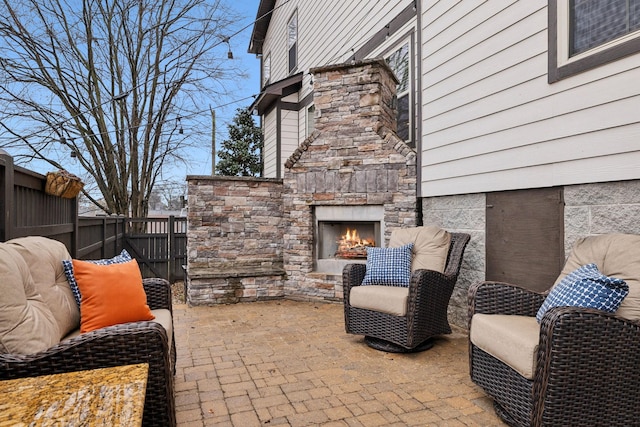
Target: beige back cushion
(616, 255)
(26, 322)
(430, 246)
(44, 257)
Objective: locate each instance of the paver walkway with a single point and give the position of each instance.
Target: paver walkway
(291, 363)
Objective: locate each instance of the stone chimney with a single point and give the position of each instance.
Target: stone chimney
(353, 159)
(360, 96)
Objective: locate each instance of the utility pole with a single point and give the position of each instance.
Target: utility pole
(213, 141)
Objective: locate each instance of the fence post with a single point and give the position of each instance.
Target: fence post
(104, 238)
(171, 242)
(75, 234)
(6, 196)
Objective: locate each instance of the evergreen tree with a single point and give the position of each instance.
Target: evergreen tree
(241, 154)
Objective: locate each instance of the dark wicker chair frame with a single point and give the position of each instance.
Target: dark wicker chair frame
(429, 294)
(587, 365)
(125, 344)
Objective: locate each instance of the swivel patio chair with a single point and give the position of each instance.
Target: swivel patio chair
(580, 364)
(398, 318)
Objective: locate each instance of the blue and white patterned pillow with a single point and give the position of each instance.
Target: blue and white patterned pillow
(388, 266)
(67, 265)
(586, 287)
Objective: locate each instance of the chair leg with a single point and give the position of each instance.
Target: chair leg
(389, 347)
(504, 415)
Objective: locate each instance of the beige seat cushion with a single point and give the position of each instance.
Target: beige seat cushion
(510, 339)
(430, 246)
(27, 325)
(44, 258)
(386, 299)
(616, 255)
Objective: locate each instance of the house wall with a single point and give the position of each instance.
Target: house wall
(463, 213)
(492, 122)
(289, 130)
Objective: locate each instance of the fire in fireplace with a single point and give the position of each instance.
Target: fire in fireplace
(352, 246)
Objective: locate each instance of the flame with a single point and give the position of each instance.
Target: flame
(351, 239)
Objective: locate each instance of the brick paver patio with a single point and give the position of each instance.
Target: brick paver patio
(291, 363)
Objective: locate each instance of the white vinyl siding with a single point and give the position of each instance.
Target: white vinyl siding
(492, 122)
(270, 144)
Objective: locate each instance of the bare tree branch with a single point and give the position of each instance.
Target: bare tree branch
(107, 81)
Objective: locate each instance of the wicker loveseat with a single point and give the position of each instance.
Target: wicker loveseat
(578, 366)
(40, 321)
(399, 319)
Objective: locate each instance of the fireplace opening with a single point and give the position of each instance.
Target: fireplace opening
(346, 239)
(342, 235)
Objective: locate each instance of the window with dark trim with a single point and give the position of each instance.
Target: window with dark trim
(399, 62)
(311, 124)
(266, 70)
(584, 34)
(292, 41)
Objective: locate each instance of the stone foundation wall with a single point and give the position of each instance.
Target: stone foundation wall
(611, 207)
(590, 209)
(463, 214)
(234, 240)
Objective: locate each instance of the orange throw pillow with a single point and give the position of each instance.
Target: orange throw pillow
(111, 294)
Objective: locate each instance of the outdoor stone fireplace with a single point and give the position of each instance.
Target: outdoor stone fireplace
(347, 185)
(344, 189)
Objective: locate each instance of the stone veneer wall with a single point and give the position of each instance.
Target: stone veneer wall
(234, 239)
(353, 158)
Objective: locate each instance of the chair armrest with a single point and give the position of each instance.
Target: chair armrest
(503, 298)
(431, 285)
(124, 344)
(429, 293)
(352, 275)
(587, 352)
(158, 293)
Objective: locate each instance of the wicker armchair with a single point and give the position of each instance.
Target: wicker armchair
(584, 364)
(426, 314)
(124, 344)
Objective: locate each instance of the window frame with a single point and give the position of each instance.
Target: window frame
(311, 124)
(266, 70)
(293, 47)
(408, 92)
(560, 65)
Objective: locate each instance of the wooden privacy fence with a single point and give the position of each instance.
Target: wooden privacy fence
(158, 244)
